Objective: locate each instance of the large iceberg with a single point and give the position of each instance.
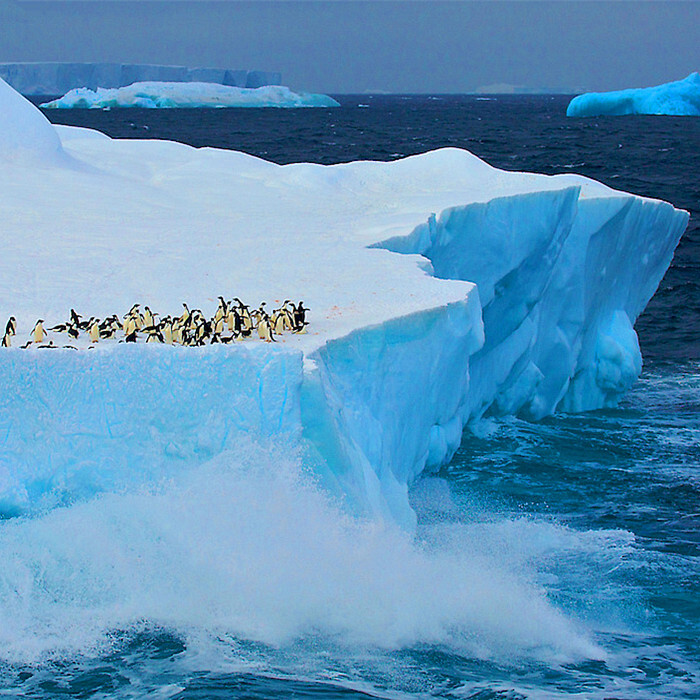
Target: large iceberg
(53, 78)
(441, 290)
(681, 98)
(163, 95)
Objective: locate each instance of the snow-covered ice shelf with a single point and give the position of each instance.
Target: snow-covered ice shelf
(160, 95)
(441, 289)
(57, 78)
(680, 98)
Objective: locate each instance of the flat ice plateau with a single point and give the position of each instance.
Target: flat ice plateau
(680, 98)
(57, 78)
(153, 95)
(440, 289)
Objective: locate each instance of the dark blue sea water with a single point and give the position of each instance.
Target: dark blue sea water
(553, 559)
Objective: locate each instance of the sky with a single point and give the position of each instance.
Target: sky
(379, 46)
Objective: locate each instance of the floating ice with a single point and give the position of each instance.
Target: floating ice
(441, 290)
(163, 95)
(681, 98)
(57, 78)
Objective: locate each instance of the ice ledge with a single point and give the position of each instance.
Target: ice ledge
(490, 292)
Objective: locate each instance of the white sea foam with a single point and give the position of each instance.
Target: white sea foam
(248, 546)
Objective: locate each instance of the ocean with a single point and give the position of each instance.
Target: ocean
(552, 559)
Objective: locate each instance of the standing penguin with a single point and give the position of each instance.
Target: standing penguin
(264, 327)
(299, 315)
(222, 310)
(11, 327)
(38, 332)
(94, 331)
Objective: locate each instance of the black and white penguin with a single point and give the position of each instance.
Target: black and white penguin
(154, 334)
(11, 327)
(221, 310)
(299, 317)
(38, 332)
(94, 331)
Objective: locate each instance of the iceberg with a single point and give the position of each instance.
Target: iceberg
(680, 98)
(158, 95)
(441, 290)
(54, 78)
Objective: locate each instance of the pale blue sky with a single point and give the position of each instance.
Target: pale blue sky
(381, 46)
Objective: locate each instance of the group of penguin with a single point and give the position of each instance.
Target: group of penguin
(233, 320)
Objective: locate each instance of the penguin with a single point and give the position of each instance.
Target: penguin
(221, 311)
(84, 325)
(131, 337)
(94, 331)
(231, 319)
(11, 327)
(263, 327)
(218, 325)
(200, 334)
(107, 332)
(154, 334)
(278, 321)
(244, 313)
(147, 317)
(185, 318)
(38, 332)
(197, 319)
(130, 326)
(133, 320)
(6, 340)
(299, 315)
(288, 316)
(74, 319)
(73, 332)
(166, 328)
(177, 334)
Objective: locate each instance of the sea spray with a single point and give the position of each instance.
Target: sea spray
(247, 546)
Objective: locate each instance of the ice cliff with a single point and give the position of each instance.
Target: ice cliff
(441, 290)
(163, 95)
(680, 98)
(59, 78)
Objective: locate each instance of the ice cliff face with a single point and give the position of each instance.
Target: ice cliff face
(441, 290)
(680, 98)
(59, 78)
(154, 95)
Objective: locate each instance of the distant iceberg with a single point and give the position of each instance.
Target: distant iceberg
(681, 98)
(57, 78)
(160, 95)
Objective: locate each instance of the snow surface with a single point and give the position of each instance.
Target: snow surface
(162, 95)
(54, 78)
(440, 290)
(680, 98)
